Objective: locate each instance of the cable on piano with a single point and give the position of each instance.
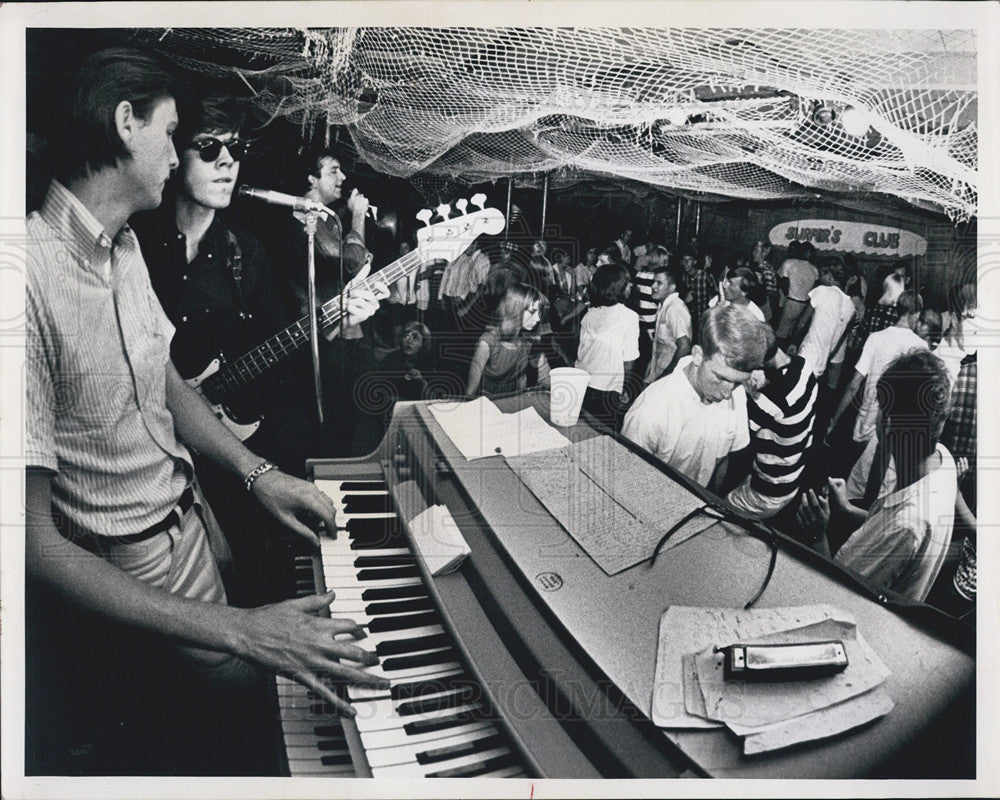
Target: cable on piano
(722, 514)
(676, 527)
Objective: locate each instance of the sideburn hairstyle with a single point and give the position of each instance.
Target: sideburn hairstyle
(206, 113)
(87, 140)
(607, 287)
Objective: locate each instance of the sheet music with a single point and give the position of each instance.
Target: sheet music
(479, 429)
(607, 498)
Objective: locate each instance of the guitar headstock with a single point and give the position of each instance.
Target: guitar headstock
(447, 239)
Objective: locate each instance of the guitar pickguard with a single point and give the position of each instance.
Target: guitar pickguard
(241, 431)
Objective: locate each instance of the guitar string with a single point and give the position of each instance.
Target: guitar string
(250, 365)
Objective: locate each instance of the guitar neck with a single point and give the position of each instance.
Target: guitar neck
(237, 374)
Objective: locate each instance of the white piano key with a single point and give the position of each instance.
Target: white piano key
(350, 556)
(397, 737)
(407, 753)
(358, 693)
(422, 770)
(414, 672)
(314, 768)
(377, 715)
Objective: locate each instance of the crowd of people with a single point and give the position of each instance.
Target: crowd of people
(734, 370)
(774, 381)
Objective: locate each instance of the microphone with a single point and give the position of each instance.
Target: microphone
(281, 199)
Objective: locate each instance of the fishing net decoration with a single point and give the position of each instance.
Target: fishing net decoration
(756, 114)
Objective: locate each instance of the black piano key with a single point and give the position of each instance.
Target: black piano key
(363, 486)
(338, 759)
(329, 731)
(433, 685)
(472, 770)
(439, 723)
(331, 744)
(380, 534)
(402, 622)
(323, 709)
(368, 504)
(393, 592)
(388, 573)
(441, 702)
(385, 561)
(459, 750)
(395, 647)
(419, 659)
(399, 606)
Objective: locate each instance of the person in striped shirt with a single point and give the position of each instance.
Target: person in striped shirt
(781, 411)
(116, 523)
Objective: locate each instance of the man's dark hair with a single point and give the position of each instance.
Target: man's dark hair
(835, 267)
(608, 285)
(749, 284)
(87, 140)
(311, 162)
(913, 395)
(208, 114)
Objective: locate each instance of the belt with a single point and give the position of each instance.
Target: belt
(173, 518)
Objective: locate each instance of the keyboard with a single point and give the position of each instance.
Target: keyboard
(434, 720)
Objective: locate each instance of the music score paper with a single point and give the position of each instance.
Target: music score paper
(602, 495)
(479, 429)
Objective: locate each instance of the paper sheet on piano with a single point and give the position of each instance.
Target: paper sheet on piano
(614, 504)
(479, 429)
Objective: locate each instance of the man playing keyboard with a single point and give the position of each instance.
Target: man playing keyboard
(116, 524)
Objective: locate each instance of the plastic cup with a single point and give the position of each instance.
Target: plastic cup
(567, 386)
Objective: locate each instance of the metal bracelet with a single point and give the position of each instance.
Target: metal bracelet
(256, 472)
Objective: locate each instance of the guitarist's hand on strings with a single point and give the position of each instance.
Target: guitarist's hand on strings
(289, 499)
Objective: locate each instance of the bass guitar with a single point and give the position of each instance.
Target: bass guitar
(223, 380)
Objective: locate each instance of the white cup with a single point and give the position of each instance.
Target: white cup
(566, 390)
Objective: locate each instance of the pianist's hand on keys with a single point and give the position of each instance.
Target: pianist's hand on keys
(289, 638)
(287, 498)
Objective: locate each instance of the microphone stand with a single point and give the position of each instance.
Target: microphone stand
(310, 226)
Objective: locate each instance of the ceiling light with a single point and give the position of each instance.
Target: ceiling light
(823, 113)
(854, 122)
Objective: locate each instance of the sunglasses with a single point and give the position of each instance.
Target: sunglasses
(210, 147)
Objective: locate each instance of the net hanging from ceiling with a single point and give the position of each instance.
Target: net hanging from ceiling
(755, 114)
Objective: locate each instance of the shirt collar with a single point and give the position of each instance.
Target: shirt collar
(83, 235)
(910, 493)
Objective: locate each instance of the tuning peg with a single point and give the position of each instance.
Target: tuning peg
(443, 210)
(461, 204)
(424, 215)
(479, 199)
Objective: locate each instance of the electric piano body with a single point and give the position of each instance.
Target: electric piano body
(562, 656)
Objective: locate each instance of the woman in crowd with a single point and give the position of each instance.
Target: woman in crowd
(609, 343)
(500, 361)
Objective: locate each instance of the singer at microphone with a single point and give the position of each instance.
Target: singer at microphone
(322, 185)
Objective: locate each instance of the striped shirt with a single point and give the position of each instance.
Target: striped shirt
(781, 421)
(97, 347)
(643, 303)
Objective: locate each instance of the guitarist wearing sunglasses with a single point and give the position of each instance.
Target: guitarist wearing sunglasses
(118, 534)
(224, 296)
